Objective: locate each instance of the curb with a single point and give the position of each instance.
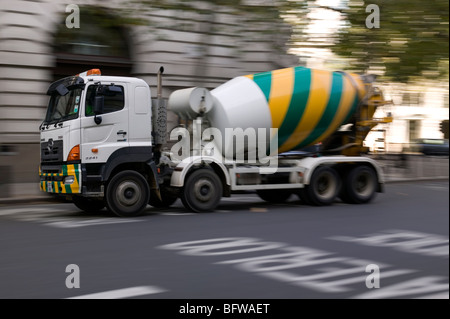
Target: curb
(48, 199)
(416, 179)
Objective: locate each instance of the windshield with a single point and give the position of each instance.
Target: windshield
(63, 107)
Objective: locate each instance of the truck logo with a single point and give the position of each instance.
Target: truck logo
(50, 145)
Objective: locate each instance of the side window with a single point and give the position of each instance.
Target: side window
(114, 101)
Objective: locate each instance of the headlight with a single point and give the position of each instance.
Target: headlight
(69, 180)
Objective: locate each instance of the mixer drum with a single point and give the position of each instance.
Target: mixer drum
(305, 105)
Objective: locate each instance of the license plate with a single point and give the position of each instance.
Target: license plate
(50, 187)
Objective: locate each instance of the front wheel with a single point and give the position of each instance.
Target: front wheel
(202, 191)
(127, 194)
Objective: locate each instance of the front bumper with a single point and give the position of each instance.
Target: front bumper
(60, 179)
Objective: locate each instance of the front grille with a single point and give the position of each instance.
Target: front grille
(52, 173)
(52, 152)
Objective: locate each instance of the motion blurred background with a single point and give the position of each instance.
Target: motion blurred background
(206, 43)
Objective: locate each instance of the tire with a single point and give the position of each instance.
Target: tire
(274, 195)
(360, 185)
(88, 205)
(168, 200)
(202, 191)
(323, 187)
(127, 194)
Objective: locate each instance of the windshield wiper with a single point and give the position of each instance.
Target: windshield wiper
(59, 122)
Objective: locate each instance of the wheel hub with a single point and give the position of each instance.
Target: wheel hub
(128, 193)
(363, 184)
(326, 186)
(323, 185)
(203, 190)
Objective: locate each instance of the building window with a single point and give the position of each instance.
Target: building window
(100, 43)
(6, 150)
(414, 130)
(411, 99)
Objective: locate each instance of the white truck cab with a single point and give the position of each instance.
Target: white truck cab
(96, 126)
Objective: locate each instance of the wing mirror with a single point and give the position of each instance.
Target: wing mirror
(99, 105)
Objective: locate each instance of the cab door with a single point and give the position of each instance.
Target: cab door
(99, 141)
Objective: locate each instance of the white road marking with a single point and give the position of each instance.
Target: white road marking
(72, 223)
(177, 214)
(420, 287)
(181, 213)
(59, 218)
(310, 268)
(241, 199)
(436, 187)
(443, 295)
(123, 293)
(12, 211)
(403, 240)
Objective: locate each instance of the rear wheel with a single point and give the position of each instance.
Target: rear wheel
(360, 185)
(274, 195)
(202, 191)
(127, 194)
(88, 205)
(323, 188)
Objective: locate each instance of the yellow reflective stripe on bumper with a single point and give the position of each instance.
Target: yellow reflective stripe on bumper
(58, 187)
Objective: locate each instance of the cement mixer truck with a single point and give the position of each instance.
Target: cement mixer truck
(104, 141)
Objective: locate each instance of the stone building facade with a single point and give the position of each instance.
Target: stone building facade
(204, 45)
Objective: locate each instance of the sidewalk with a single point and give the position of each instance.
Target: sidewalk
(413, 167)
(22, 193)
(396, 169)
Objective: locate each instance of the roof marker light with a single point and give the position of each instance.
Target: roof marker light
(90, 72)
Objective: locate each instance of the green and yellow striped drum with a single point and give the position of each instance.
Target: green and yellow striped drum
(305, 105)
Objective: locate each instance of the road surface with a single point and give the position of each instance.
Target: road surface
(394, 247)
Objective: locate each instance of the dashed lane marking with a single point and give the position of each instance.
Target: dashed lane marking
(123, 293)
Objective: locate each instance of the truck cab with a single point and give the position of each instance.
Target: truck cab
(96, 126)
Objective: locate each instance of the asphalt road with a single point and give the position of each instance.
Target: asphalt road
(394, 247)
